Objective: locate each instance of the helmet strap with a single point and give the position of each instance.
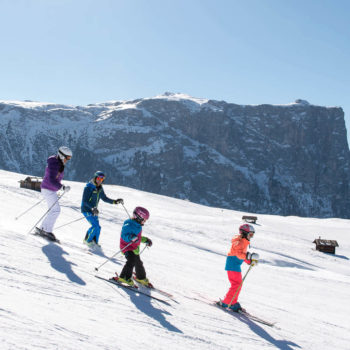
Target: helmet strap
(244, 234)
(138, 219)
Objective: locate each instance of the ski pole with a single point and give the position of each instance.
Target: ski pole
(46, 212)
(69, 223)
(143, 249)
(17, 217)
(126, 211)
(109, 259)
(240, 285)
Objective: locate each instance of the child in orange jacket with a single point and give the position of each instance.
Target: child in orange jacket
(237, 254)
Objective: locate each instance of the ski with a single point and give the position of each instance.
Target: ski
(242, 312)
(49, 239)
(256, 318)
(245, 314)
(152, 287)
(134, 289)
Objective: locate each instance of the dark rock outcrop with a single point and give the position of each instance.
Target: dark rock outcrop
(286, 160)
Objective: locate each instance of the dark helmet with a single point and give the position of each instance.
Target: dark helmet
(246, 229)
(141, 214)
(99, 174)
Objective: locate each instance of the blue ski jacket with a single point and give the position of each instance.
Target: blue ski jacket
(91, 197)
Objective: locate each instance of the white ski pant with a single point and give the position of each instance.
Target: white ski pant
(51, 217)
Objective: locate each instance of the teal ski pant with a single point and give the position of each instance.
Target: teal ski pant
(93, 233)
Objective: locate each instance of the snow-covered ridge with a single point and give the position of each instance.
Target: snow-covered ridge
(35, 105)
(170, 96)
(124, 104)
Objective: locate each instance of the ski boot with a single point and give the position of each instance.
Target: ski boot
(38, 231)
(145, 282)
(49, 235)
(89, 244)
(129, 282)
(220, 303)
(235, 307)
(96, 243)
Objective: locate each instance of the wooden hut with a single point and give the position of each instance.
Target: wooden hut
(31, 182)
(325, 245)
(251, 219)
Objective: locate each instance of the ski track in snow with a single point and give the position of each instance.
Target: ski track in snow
(50, 299)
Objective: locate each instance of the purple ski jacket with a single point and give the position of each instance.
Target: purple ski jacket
(53, 176)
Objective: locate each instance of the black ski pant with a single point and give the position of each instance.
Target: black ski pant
(133, 260)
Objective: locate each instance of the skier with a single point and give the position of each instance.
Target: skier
(237, 254)
(50, 185)
(93, 191)
(130, 240)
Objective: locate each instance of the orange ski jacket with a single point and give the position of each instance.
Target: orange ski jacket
(237, 253)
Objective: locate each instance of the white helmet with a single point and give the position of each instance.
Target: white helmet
(64, 152)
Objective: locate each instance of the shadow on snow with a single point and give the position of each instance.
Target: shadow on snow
(55, 255)
(144, 304)
(297, 263)
(261, 332)
(337, 256)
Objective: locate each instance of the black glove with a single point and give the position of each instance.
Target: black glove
(118, 201)
(148, 243)
(65, 188)
(94, 211)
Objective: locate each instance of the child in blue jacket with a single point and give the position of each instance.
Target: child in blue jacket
(130, 240)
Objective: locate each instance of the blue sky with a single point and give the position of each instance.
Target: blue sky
(246, 52)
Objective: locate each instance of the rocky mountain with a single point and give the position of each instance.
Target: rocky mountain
(278, 159)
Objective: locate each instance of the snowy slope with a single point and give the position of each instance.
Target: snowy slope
(50, 299)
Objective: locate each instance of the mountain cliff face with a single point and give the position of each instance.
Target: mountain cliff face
(286, 160)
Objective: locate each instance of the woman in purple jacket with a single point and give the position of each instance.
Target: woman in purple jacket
(50, 185)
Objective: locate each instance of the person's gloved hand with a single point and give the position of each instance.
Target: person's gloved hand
(118, 201)
(65, 188)
(94, 211)
(148, 242)
(252, 258)
(255, 256)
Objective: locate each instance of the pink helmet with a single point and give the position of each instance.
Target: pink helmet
(141, 214)
(245, 229)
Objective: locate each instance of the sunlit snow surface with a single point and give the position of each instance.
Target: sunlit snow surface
(50, 299)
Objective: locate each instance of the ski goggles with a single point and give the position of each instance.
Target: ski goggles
(101, 178)
(64, 155)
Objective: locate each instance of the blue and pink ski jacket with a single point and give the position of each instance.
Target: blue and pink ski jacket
(131, 230)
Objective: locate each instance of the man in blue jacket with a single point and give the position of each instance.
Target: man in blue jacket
(93, 191)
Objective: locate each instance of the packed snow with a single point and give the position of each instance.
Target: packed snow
(50, 298)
